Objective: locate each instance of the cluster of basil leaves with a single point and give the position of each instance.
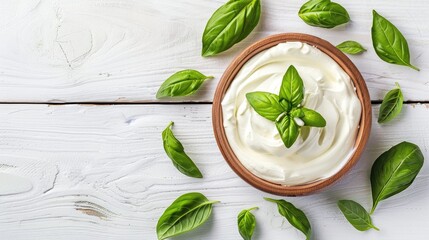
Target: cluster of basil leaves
(285, 109)
(391, 173)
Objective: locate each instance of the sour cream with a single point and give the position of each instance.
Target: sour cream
(318, 153)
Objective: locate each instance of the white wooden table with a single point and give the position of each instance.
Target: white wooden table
(80, 129)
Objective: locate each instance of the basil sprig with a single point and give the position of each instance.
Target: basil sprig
(182, 83)
(351, 47)
(246, 223)
(394, 171)
(176, 153)
(389, 43)
(323, 13)
(391, 105)
(285, 109)
(356, 215)
(186, 213)
(295, 216)
(230, 24)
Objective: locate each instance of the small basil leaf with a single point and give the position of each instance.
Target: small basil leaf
(312, 118)
(389, 43)
(246, 223)
(182, 83)
(295, 216)
(356, 215)
(297, 112)
(176, 153)
(265, 104)
(394, 171)
(288, 130)
(285, 104)
(323, 13)
(186, 213)
(292, 88)
(391, 105)
(351, 47)
(230, 24)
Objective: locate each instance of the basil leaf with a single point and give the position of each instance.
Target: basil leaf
(182, 83)
(265, 104)
(246, 223)
(312, 118)
(295, 216)
(391, 105)
(288, 130)
(389, 43)
(230, 24)
(356, 215)
(292, 88)
(186, 213)
(394, 171)
(351, 47)
(176, 153)
(323, 13)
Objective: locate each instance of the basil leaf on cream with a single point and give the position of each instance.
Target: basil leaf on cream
(265, 104)
(292, 88)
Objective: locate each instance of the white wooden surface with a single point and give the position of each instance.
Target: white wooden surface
(122, 50)
(99, 171)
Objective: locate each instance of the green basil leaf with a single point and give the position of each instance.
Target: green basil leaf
(351, 47)
(288, 130)
(389, 43)
(394, 171)
(356, 215)
(230, 24)
(391, 105)
(295, 216)
(323, 13)
(176, 153)
(182, 83)
(246, 223)
(265, 104)
(292, 88)
(186, 213)
(312, 118)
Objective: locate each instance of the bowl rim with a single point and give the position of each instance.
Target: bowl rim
(217, 116)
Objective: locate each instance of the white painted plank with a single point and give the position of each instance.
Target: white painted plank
(122, 50)
(99, 172)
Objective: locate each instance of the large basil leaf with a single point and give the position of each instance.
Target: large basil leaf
(295, 216)
(323, 13)
(246, 223)
(186, 213)
(292, 88)
(391, 105)
(351, 47)
(394, 171)
(182, 83)
(389, 43)
(356, 215)
(266, 104)
(230, 24)
(176, 153)
(288, 130)
(312, 118)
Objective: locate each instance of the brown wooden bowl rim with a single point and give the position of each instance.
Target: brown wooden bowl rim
(228, 77)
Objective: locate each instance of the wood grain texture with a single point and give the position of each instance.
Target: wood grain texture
(122, 50)
(99, 172)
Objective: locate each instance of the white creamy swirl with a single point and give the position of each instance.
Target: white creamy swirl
(318, 153)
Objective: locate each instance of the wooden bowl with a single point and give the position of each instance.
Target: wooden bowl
(228, 77)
